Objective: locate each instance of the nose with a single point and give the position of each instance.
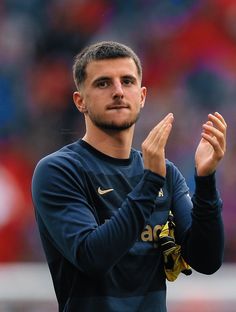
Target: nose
(118, 91)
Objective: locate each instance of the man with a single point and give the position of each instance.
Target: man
(100, 204)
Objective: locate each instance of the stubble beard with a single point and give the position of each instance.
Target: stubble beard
(112, 125)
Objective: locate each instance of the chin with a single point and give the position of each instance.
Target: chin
(117, 127)
(117, 124)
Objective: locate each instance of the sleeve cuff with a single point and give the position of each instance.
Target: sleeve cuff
(206, 187)
(206, 199)
(149, 186)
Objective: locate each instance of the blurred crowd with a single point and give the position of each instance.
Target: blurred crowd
(188, 52)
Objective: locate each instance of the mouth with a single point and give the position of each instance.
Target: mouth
(117, 106)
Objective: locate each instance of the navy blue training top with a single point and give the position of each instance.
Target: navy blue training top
(99, 219)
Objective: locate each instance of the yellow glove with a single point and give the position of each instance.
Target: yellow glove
(174, 263)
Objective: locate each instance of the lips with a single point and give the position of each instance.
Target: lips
(117, 106)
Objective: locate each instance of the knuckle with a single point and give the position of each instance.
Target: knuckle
(145, 147)
(149, 150)
(221, 135)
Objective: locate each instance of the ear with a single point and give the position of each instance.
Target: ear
(79, 102)
(143, 96)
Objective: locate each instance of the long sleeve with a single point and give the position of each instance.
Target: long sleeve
(99, 219)
(62, 203)
(104, 246)
(204, 241)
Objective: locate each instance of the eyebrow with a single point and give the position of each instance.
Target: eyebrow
(102, 78)
(129, 77)
(106, 78)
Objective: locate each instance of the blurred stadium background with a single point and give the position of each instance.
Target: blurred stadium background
(188, 51)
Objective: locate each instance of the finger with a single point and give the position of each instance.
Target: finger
(215, 133)
(153, 136)
(162, 122)
(218, 115)
(164, 136)
(215, 144)
(205, 129)
(218, 121)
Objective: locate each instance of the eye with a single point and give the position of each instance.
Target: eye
(102, 84)
(128, 81)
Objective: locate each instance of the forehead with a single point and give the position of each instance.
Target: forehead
(118, 67)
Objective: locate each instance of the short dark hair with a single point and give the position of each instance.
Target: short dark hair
(101, 51)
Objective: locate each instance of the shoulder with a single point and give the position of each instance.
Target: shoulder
(66, 159)
(173, 172)
(172, 168)
(175, 178)
(136, 155)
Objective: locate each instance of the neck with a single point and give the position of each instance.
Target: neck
(113, 143)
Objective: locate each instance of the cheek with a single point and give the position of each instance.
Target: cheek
(88, 101)
(93, 98)
(138, 99)
(94, 105)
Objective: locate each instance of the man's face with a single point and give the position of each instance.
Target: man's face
(112, 96)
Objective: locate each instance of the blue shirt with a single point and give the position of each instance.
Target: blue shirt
(99, 219)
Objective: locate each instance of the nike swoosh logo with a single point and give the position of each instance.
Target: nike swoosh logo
(102, 192)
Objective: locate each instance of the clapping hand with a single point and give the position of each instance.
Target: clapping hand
(212, 145)
(153, 148)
